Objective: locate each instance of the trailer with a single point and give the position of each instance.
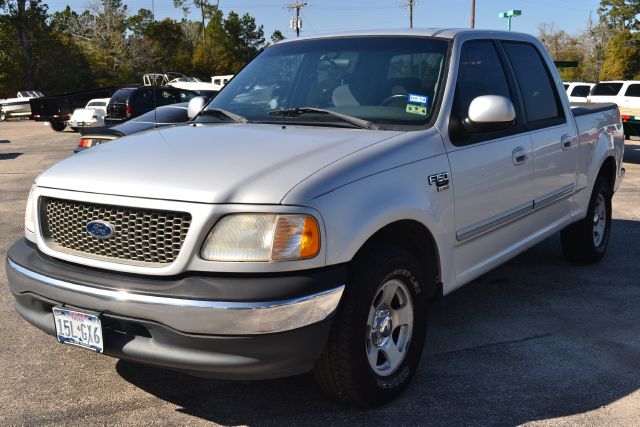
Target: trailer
(57, 109)
(631, 122)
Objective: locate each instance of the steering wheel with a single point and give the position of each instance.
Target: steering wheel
(388, 100)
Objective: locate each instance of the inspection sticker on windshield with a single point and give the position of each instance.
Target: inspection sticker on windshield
(418, 99)
(417, 104)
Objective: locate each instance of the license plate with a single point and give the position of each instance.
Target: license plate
(76, 328)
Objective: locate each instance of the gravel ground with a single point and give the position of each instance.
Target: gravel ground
(537, 341)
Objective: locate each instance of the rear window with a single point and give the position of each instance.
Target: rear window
(633, 90)
(540, 99)
(581, 90)
(97, 104)
(121, 95)
(606, 89)
(566, 86)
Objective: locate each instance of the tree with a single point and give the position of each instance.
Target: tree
(277, 36)
(621, 14)
(563, 47)
(622, 58)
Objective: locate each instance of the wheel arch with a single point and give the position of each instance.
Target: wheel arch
(608, 170)
(416, 238)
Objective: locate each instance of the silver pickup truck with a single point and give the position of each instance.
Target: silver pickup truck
(305, 218)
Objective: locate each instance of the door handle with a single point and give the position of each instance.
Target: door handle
(519, 156)
(566, 141)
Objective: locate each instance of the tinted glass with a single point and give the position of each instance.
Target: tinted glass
(633, 90)
(582, 91)
(97, 104)
(121, 95)
(480, 73)
(142, 101)
(606, 89)
(566, 86)
(164, 115)
(538, 91)
(370, 78)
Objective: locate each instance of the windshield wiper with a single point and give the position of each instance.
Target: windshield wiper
(220, 112)
(295, 112)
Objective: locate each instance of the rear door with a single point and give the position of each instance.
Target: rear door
(492, 172)
(553, 135)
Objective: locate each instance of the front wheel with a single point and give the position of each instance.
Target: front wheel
(586, 241)
(377, 336)
(3, 116)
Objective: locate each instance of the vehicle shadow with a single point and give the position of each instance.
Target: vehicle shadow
(535, 339)
(631, 153)
(10, 156)
(5, 141)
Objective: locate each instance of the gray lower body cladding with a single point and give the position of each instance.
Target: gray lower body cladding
(278, 342)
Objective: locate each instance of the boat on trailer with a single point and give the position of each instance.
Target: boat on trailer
(18, 106)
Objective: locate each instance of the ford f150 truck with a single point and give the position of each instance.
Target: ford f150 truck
(304, 219)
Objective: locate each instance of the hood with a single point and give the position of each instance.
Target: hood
(227, 163)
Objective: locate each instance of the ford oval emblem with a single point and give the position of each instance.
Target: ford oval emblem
(100, 229)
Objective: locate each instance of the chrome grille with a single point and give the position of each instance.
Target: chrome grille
(141, 236)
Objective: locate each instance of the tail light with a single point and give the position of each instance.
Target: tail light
(85, 143)
(128, 111)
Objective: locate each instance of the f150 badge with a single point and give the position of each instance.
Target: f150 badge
(441, 180)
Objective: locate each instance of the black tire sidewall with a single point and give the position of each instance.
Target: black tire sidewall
(393, 263)
(600, 187)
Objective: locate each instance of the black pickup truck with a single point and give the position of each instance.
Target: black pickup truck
(57, 109)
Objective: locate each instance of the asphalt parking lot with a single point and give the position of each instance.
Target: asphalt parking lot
(538, 340)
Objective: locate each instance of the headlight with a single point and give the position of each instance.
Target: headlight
(262, 237)
(29, 223)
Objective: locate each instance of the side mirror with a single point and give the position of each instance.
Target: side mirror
(195, 106)
(490, 113)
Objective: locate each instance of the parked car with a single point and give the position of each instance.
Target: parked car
(166, 115)
(92, 115)
(309, 226)
(131, 102)
(578, 91)
(626, 94)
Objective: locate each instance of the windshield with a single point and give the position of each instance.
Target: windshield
(390, 81)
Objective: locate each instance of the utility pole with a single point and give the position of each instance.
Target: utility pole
(410, 5)
(473, 13)
(296, 23)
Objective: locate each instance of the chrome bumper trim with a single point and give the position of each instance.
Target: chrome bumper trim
(186, 315)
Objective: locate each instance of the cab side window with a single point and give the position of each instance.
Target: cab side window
(480, 73)
(541, 101)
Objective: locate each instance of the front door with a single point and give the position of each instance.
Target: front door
(491, 173)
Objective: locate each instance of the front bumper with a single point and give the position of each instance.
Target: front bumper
(180, 325)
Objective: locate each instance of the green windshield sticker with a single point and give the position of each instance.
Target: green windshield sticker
(417, 109)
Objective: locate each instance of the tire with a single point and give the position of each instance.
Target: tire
(58, 126)
(586, 241)
(344, 370)
(3, 116)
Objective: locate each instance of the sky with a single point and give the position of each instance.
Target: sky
(322, 16)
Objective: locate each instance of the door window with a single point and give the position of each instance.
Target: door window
(581, 91)
(606, 89)
(541, 100)
(633, 90)
(480, 73)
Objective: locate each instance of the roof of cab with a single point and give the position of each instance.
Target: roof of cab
(444, 33)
